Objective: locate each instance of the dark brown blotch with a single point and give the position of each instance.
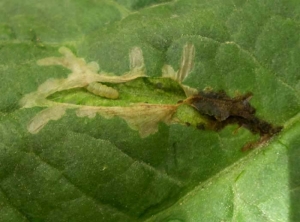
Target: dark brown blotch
(222, 110)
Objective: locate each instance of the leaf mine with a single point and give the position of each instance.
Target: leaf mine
(202, 109)
(139, 116)
(43, 117)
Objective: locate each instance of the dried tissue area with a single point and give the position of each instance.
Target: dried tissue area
(142, 117)
(214, 110)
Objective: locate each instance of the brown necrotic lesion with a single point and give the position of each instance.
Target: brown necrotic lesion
(217, 107)
(222, 110)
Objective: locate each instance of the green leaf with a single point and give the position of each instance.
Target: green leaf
(98, 169)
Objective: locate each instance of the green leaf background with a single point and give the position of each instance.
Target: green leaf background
(80, 169)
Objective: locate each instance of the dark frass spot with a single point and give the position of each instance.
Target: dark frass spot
(159, 85)
(201, 126)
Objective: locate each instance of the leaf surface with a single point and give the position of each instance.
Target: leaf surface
(81, 169)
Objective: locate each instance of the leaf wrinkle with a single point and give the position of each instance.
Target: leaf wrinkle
(13, 206)
(80, 189)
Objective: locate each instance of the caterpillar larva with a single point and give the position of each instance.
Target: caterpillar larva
(102, 90)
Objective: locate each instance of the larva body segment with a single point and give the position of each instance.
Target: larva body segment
(102, 90)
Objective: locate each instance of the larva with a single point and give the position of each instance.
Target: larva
(102, 90)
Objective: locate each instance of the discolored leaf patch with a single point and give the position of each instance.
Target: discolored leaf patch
(214, 110)
(224, 110)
